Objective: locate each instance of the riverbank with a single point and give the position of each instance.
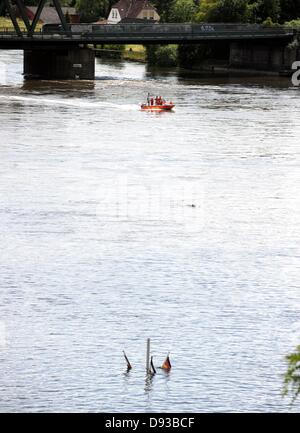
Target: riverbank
(209, 60)
(135, 53)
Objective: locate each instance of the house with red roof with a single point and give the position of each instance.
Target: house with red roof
(49, 14)
(130, 10)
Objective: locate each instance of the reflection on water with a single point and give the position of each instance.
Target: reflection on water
(149, 382)
(119, 225)
(39, 86)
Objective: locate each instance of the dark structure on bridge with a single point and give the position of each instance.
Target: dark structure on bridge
(64, 51)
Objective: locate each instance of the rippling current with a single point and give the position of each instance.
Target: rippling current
(118, 225)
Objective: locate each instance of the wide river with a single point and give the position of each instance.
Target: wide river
(118, 225)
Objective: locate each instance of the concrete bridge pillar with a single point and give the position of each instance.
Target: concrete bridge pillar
(63, 64)
(260, 56)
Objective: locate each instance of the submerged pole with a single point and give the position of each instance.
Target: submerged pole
(148, 356)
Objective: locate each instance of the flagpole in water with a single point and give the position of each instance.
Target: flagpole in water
(148, 356)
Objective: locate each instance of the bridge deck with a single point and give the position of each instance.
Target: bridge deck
(143, 34)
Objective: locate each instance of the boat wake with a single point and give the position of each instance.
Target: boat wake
(76, 103)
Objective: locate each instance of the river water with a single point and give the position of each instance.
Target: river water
(118, 225)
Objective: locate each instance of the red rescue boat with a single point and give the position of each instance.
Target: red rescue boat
(157, 104)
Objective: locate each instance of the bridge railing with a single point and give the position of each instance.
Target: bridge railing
(87, 31)
(175, 28)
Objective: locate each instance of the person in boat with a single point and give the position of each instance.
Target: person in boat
(148, 99)
(152, 101)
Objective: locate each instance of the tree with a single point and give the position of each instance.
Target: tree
(290, 10)
(92, 10)
(163, 8)
(269, 9)
(204, 10)
(182, 11)
(292, 376)
(239, 10)
(253, 12)
(227, 11)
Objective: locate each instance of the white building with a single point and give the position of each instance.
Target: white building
(132, 9)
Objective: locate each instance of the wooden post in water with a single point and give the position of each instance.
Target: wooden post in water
(148, 356)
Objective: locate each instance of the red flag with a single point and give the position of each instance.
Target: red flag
(167, 364)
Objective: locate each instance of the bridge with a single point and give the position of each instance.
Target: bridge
(76, 35)
(53, 51)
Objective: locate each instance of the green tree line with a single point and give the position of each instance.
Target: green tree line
(267, 12)
(244, 11)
